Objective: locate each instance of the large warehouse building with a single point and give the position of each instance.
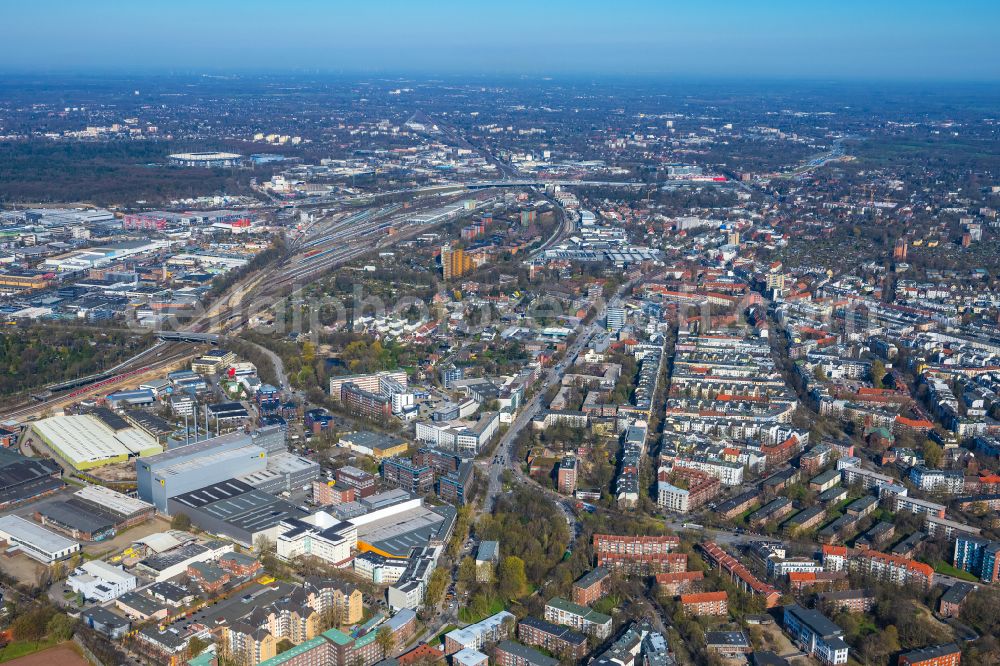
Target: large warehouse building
(86, 441)
(94, 513)
(236, 510)
(197, 465)
(23, 479)
(259, 460)
(34, 540)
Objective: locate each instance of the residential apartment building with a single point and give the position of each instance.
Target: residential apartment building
(644, 555)
(894, 569)
(475, 636)
(552, 637)
(938, 655)
(705, 603)
(581, 618)
(816, 634)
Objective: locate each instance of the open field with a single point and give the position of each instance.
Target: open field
(21, 567)
(64, 654)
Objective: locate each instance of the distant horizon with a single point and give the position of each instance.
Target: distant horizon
(851, 40)
(501, 76)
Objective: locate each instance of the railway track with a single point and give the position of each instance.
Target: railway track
(124, 376)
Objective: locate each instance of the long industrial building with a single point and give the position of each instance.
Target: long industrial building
(236, 510)
(197, 465)
(86, 441)
(34, 540)
(259, 459)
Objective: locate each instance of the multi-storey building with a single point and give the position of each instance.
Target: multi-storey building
(952, 600)
(689, 490)
(677, 583)
(938, 480)
(373, 383)
(816, 634)
(566, 481)
(333, 544)
(591, 586)
(739, 574)
(442, 462)
(364, 403)
(937, 655)
(978, 556)
(411, 477)
(894, 569)
(705, 603)
(509, 653)
(453, 487)
(325, 493)
(581, 618)
(552, 637)
(916, 505)
(475, 636)
(636, 554)
(853, 601)
(361, 481)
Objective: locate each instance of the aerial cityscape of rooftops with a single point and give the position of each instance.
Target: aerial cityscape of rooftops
(381, 369)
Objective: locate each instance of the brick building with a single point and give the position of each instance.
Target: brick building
(643, 555)
(705, 603)
(937, 655)
(591, 586)
(552, 637)
(677, 583)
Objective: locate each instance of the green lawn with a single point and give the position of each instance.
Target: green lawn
(465, 614)
(440, 637)
(943, 567)
(21, 648)
(607, 604)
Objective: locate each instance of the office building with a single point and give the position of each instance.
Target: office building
(816, 634)
(411, 477)
(100, 581)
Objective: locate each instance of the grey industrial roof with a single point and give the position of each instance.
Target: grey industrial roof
(75, 517)
(213, 493)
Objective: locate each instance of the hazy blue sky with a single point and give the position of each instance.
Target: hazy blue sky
(844, 39)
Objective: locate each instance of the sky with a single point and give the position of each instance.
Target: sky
(904, 40)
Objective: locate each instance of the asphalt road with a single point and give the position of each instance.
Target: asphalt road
(502, 457)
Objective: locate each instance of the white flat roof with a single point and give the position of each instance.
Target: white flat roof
(15, 528)
(112, 499)
(84, 438)
(106, 571)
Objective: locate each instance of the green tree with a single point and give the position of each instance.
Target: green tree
(513, 581)
(31, 626)
(284, 645)
(196, 646)
(386, 640)
(467, 572)
(878, 373)
(181, 521)
(61, 627)
(933, 454)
